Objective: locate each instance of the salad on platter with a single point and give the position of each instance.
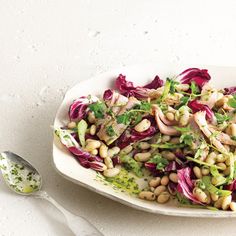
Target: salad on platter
(178, 136)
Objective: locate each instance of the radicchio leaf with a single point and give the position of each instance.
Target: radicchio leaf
(84, 158)
(152, 168)
(200, 77)
(185, 184)
(133, 136)
(78, 109)
(196, 106)
(231, 187)
(230, 90)
(172, 166)
(128, 89)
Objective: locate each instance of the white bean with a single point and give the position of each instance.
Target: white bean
(111, 172)
(163, 197)
(232, 206)
(222, 165)
(218, 203)
(93, 144)
(92, 130)
(143, 125)
(170, 156)
(94, 152)
(182, 87)
(155, 182)
(159, 190)
(184, 118)
(197, 172)
(91, 117)
(214, 197)
(144, 145)
(170, 116)
(103, 151)
(127, 149)
(205, 170)
(165, 138)
(174, 140)
(71, 125)
(142, 156)
(113, 151)
(220, 158)
(164, 180)
(210, 159)
(200, 195)
(226, 202)
(147, 195)
(233, 129)
(173, 177)
(108, 162)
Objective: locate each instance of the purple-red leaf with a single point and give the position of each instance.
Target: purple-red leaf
(128, 89)
(107, 95)
(230, 90)
(196, 106)
(133, 136)
(185, 184)
(77, 110)
(200, 77)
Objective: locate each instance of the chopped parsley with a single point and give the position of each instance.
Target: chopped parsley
(221, 118)
(160, 162)
(134, 114)
(98, 108)
(110, 131)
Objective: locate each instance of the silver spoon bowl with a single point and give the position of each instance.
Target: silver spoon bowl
(24, 179)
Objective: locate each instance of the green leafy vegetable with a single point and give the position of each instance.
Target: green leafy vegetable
(98, 108)
(130, 164)
(144, 105)
(194, 88)
(82, 127)
(182, 199)
(123, 119)
(233, 138)
(214, 171)
(160, 162)
(221, 118)
(168, 145)
(202, 162)
(183, 102)
(232, 101)
(110, 131)
(134, 114)
(186, 139)
(168, 88)
(212, 189)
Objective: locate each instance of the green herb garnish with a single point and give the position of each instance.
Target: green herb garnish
(221, 118)
(98, 108)
(130, 164)
(212, 189)
(110, 131)
(160, 162)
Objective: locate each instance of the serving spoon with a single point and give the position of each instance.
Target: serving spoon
(24, 179)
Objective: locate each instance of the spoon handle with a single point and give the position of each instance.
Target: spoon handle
(78, 225)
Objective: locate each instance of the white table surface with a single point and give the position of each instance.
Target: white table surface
(47, 47)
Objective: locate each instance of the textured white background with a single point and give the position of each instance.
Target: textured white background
(47, 47)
